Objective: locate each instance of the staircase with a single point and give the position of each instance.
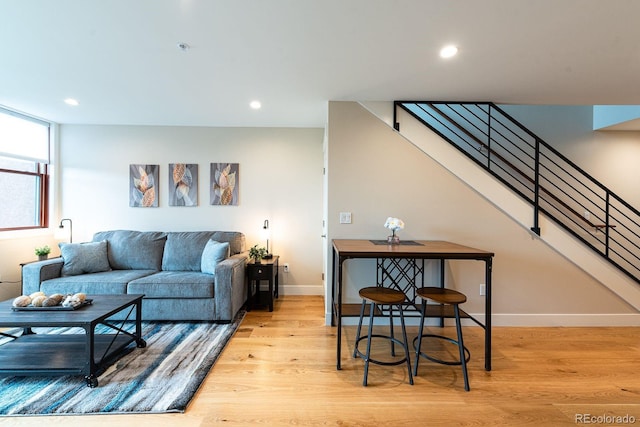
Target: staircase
(550, 184)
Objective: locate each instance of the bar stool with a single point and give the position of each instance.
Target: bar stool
(446, 297)
(375, 296)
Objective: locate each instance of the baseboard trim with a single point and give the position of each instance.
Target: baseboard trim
(301, 290)
(588, 319)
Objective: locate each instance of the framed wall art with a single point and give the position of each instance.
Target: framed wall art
(224, 184)
(143, 186)
(183, 184)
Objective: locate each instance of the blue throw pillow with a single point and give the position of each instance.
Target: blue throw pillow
(83, 258)
(133, 250)
(183, 250)
(213, 253)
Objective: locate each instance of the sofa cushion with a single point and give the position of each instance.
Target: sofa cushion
(174, 284)
(213, 253)
(183, 250)
(133, 250)
(82, 258)
(107, 282)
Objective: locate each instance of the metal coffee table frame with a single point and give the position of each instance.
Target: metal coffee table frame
(69, 354)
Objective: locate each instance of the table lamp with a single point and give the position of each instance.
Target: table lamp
(266, 233)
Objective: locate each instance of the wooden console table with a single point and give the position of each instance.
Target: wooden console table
(344, 249)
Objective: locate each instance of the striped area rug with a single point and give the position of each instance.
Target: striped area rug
(162, 377)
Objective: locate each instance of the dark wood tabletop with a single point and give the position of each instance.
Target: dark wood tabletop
(408, 249)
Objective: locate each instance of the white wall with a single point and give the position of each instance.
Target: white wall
(374, 173)
(280, 180)
(17, 248)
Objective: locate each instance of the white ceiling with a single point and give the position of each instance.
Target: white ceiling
(120, 60)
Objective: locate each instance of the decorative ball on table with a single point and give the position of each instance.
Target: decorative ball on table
(393, 224)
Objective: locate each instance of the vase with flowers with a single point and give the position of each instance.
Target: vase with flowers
(393, 224)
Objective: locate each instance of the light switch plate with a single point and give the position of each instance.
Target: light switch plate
(345, 217)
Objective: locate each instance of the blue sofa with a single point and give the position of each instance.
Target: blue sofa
(184, 276)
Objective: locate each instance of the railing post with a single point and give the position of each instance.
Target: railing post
(536, 190)
(489, 137)
(606, 226)
(396, 125)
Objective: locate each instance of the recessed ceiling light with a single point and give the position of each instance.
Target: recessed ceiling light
(72, 102)
(256, 105)
(448, 51)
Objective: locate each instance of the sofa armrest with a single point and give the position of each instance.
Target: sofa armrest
(37, 272)
(230, 288)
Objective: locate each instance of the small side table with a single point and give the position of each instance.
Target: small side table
(266, 270)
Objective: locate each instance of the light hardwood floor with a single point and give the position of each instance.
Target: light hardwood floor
(279, 369)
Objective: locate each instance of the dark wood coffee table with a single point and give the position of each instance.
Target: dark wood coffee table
(69, 354)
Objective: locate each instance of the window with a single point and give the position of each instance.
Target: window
(24, 171)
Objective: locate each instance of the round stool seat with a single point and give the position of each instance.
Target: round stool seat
(442, 295)
(452, 298)
(380, 295)
(375, 296)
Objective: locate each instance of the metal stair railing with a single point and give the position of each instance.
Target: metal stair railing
(552, 184)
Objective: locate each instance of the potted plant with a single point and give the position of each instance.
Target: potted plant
(43, 252)
(256, 253)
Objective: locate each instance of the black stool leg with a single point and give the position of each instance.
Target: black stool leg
(368, 355)
(463, 361)
(355, 348)
(393, 347)
(406, 343)
(419, 344)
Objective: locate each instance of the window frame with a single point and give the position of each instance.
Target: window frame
(41, 174)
